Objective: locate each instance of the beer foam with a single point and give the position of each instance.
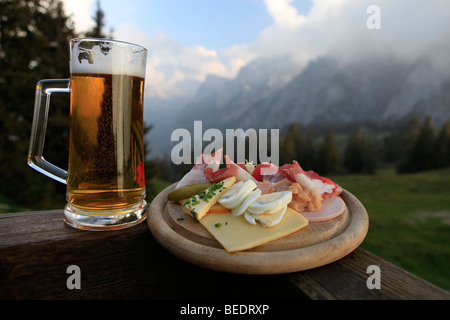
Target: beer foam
(102, 56)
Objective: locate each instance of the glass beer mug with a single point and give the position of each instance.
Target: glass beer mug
(105, 176)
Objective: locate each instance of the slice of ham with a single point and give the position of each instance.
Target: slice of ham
(330, 188)
(331, 208)
(231, 169)
(317, 185)
(202, 163)
(282, 185)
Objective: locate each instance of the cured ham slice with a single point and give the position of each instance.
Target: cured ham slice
(319, 186)
(202, 163)
(308, 188)
(231, 169)
(295, 173)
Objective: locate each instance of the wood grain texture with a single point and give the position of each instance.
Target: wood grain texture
(318, 244)
(347, 279)
(36, 248)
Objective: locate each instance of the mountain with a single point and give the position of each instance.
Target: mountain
(160, 114)
(271, 93)
(424, 91)
(221, 103)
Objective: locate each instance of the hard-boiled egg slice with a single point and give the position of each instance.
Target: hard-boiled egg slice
(271, 220)
(270, 203)
(249, 217)
(252, 197)
(234, 197)
(230, 195)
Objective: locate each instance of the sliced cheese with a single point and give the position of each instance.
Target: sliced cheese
(234, 233)
(199, 205)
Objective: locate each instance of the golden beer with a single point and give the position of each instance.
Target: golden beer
(106, 153)
(105, 177)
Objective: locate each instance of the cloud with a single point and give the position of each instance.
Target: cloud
(284, 14)
(80, 12)
(409, 30)
(284, 37)
(173, 69)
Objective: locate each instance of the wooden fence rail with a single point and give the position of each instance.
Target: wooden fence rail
(36, 249)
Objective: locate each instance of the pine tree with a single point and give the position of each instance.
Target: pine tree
(421, 155)
(99, 18)
(306, 149)
(354, 152)
(370, 154)
(392, 147)
(407, 139)
(328, 156)
(442, 147)
(34, 42)
(289, 144)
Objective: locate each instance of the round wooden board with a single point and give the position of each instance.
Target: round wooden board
(318, 244)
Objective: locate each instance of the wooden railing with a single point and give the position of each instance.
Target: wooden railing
(37, 249)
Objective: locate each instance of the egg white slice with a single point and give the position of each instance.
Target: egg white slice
(270, 203)
(252, 197)
(271, 220)
(230, 195)
(250, 218)
(234, 197)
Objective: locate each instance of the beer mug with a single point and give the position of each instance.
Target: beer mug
(105, 176)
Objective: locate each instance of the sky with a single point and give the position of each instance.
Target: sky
(189, 39)
(215, 24)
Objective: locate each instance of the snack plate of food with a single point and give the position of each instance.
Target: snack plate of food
(259, 219)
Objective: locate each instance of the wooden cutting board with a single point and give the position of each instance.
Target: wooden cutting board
(317, 244)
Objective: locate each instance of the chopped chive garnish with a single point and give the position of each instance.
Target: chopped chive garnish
(205, 195)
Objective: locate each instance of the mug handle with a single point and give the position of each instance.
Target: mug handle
(44, 89)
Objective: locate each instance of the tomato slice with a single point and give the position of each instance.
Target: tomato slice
(218, 208)
(265, 170)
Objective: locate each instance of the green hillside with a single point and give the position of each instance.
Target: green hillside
(409, 220)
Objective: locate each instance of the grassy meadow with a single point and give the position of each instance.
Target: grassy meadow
(409, 220)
